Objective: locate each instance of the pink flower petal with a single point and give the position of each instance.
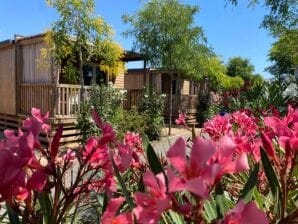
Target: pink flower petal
(175, 183)
(202, 151)
(176, 155)
(197, 186)
(112, 208)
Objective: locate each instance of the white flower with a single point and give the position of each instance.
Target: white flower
(291, 91)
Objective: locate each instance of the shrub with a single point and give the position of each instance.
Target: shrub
(107, 102)
(151, 107)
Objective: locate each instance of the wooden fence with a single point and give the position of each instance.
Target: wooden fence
(35, 95)
(69, 98)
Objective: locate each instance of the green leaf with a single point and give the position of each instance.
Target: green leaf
(210, 210)
(176, 218)
(123, 187)
(246, 192)
(222, 203)
(272, 179)
(46, 207)
(105, 202)
(258, 198)
(270, 173)
(12, 215)
(153, 159)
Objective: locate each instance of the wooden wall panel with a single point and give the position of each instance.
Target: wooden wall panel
(133, 80)
(7, 81)
(36, 69)
(185, 87)
(119, 81)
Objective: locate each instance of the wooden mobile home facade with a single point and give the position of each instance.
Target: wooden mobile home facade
(29, 80)
(185, 92)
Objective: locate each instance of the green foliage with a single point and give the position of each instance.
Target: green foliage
(132, 121)
(164, 33)
(78, 36)
(238, 66)
(284, 54)
(282, 15)
(260, 96)
(107, 102)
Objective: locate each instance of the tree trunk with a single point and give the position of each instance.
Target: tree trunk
(81, 77)
(171, 102)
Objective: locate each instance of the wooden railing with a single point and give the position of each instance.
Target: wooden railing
(64, 100)
(69, 98)
(35, 95)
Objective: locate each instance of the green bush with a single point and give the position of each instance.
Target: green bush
(151, 107)
(108, 102)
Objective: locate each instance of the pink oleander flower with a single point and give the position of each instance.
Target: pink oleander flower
(69, 156)
(20, 170)
(247, 124)
(123, 157)
(96, 153)
(109, 217)
(151, 205)
(180, 119)
(133, 140)
(195, 175)
(218, 126)
(245, 214)
(227, 158)
(108, 133)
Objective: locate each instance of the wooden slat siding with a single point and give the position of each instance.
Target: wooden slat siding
(185, 87)
(35, 69)
(133, 98)
(119, 81)
(7, 80)
(189, 103)
(175, 106)
(35, 95)
(133, 80)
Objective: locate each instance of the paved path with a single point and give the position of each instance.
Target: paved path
(163, 145)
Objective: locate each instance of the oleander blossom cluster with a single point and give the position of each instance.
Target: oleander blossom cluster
(139, 186)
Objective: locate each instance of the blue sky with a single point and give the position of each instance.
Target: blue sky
(231, 31)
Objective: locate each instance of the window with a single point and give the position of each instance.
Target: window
(88, 74)
(174, 86)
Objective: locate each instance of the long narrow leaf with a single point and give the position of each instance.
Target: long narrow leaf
(270, 173)
(12, 215)
(46, 207)
(123, 187)
(251, 182)
(210, 210)
(153, 159)
(273, 181)
(221, 201)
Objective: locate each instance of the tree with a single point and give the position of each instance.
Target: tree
(78, 36)
(164, 32)
(238, 66)
(282, 15)
(284, 55)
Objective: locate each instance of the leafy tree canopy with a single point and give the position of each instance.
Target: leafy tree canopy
(283, 15)
(238, 66)
(164, 32)
(79, 36)
(284, 54)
